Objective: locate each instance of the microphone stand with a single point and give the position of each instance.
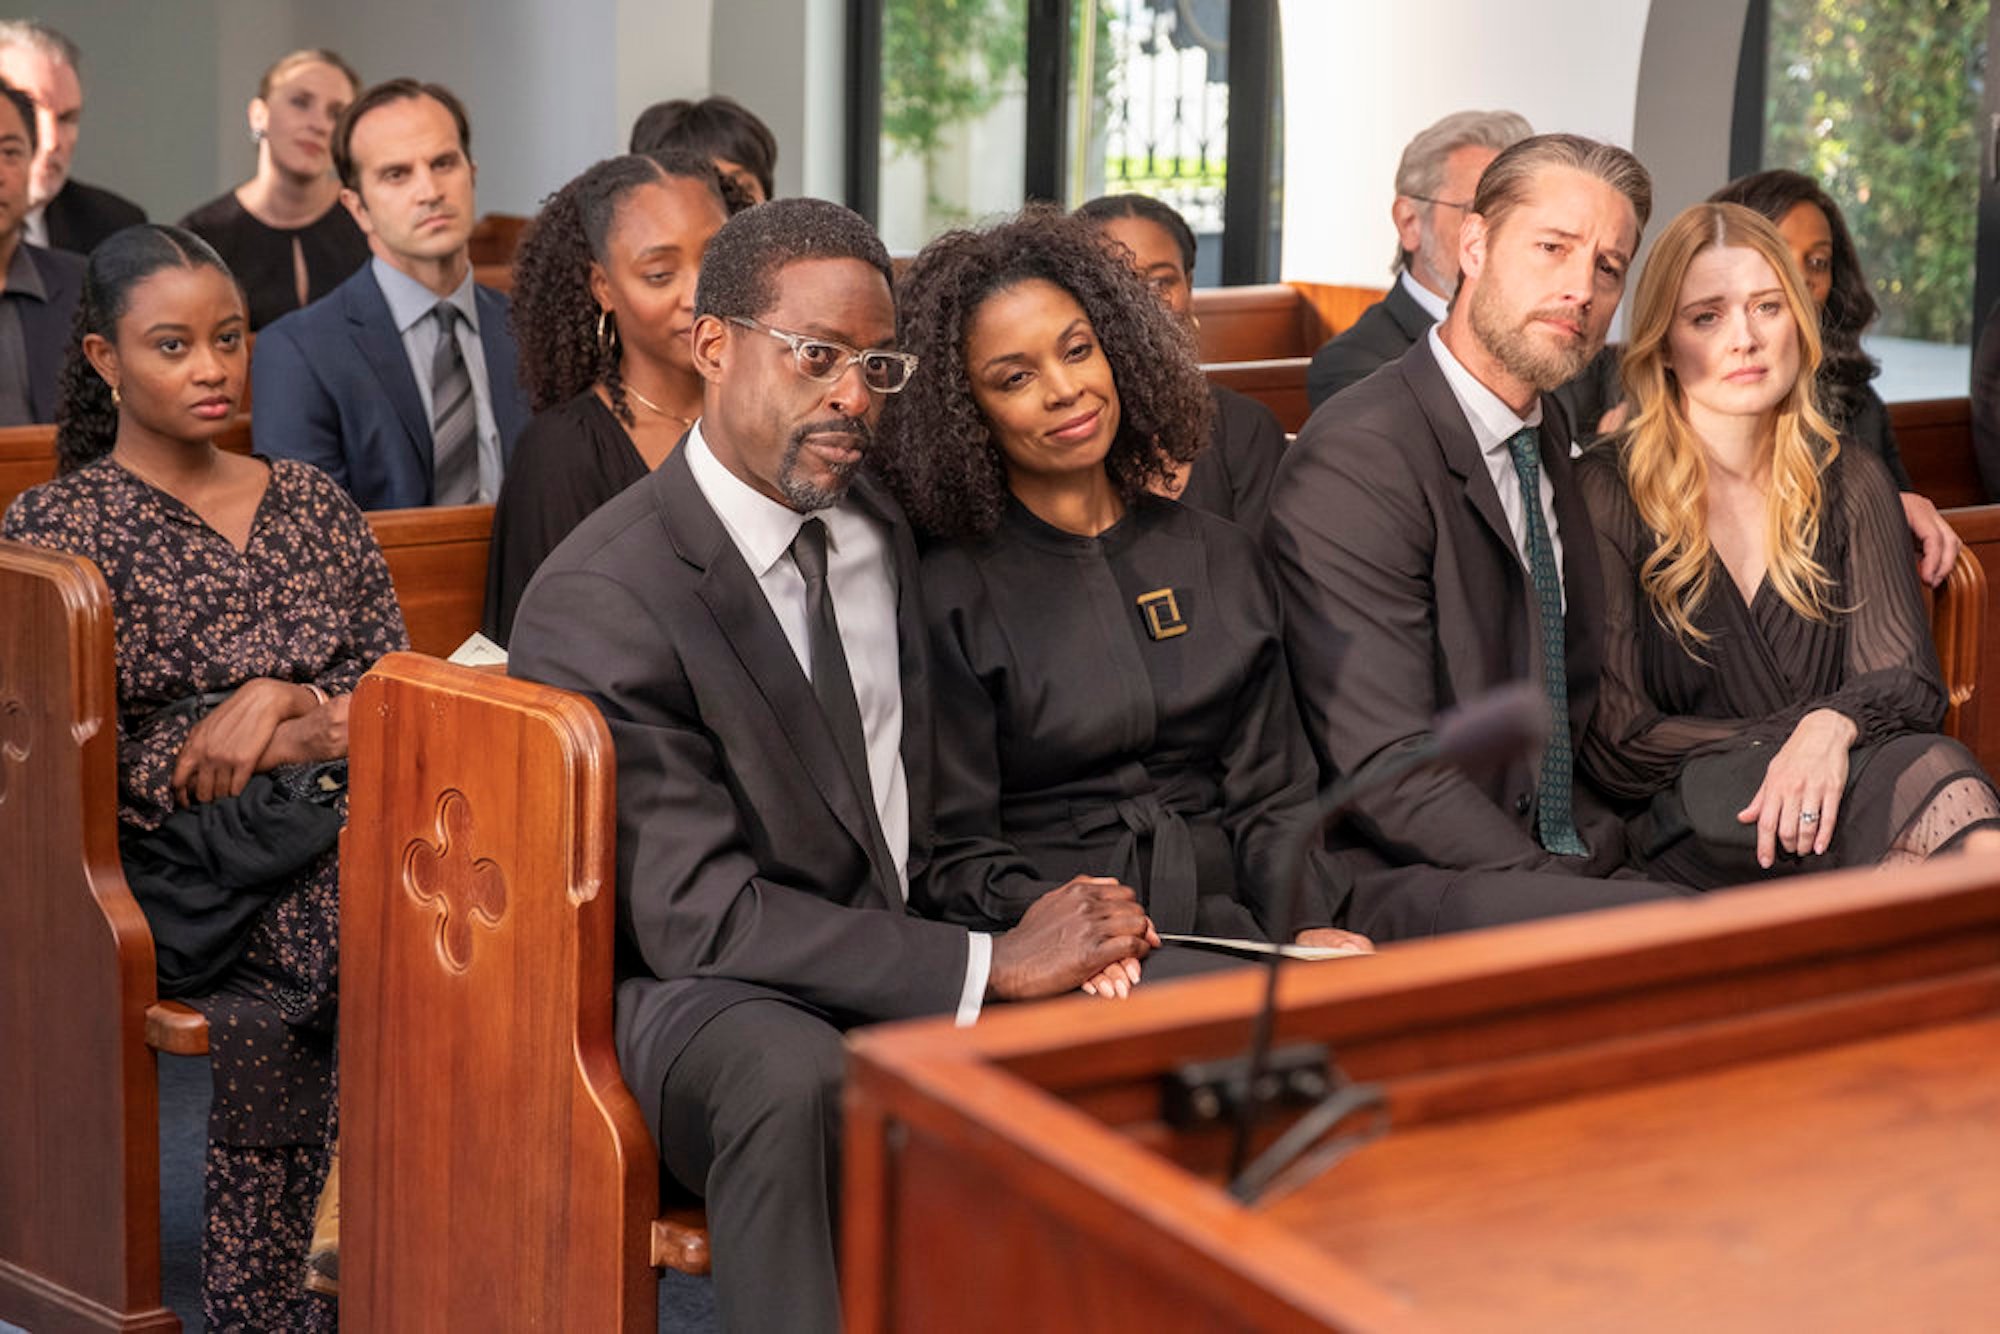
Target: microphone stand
(1494, 726)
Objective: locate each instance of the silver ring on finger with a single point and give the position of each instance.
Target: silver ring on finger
(1808, 817)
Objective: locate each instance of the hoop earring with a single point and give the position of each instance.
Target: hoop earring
(607, 335)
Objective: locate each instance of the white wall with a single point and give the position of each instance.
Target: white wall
(787, 60)
(550, 86)
(1361, 79)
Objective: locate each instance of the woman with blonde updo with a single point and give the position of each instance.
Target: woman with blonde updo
(284, 232)
(1769, 685)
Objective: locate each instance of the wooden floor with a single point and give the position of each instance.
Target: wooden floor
(1811, 1185)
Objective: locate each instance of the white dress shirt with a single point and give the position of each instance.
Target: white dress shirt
(410, 306)
(861, 575)
(35, 227)
(1493, 425)
(1434, 305)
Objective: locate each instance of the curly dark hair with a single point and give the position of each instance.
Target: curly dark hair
(744, 257)
(1844, 369)
(86, 414)
(554, 315)
(934, 447)
(1106, 208)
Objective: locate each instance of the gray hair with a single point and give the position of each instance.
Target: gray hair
(41, 37)
(1421, 171)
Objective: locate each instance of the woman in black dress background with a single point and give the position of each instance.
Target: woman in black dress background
(284, 232)
(1769, 685)
(1232, 477)
(1111, 686)
(603, 300)
(249, 598)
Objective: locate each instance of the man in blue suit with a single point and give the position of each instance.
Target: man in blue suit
(401, 382)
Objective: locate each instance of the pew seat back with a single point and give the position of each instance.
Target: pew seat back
(79, 1101)
(482, 1107)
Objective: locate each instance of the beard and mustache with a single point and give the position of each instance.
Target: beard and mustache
(805, 493)
(1532, 360)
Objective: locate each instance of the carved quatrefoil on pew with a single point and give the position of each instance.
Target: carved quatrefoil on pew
(14, 742)
(447, 875)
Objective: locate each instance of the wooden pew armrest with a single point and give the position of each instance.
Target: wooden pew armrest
(680, 1240)
(177, 1029)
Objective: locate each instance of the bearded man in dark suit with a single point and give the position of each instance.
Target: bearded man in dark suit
(747, 619)
(1432, 544)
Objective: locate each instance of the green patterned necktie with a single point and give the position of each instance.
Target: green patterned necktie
(1555, 812)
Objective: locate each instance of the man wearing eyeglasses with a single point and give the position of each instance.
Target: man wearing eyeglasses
(1435, 181)
(747, 620)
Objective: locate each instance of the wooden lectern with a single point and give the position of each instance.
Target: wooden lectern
(1767, 1109)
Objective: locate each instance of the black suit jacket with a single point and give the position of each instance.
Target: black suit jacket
(1405, 595)
(744, 868)
(334, 388)
(1383, 333)
(82, 215)
(46, 326)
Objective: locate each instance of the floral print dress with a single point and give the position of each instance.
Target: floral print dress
(307, 600)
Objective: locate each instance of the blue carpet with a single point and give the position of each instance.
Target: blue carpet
(686, 1304)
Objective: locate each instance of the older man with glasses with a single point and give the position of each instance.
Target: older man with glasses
(1435, 182)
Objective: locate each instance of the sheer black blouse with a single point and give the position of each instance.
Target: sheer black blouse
(1765, 666)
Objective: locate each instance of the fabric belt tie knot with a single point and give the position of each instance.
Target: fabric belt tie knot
(1172, 871)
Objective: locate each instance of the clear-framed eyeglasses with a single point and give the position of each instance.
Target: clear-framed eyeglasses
(825, 361)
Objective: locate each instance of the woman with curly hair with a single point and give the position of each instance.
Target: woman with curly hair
(249, 597)
(603, 301)
(1769, 685)
(1111, 686)
(1817, 237)
(1232, 477)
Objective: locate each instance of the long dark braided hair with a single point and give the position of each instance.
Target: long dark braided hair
(555, 317)
(86, 414)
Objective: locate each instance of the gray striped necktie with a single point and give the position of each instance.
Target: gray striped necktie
(454, 420)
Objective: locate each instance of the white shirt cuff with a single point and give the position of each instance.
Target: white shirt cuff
(978, 964)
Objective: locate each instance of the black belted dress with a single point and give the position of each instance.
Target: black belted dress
(1117, 705)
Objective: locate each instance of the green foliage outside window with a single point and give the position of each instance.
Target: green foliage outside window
(1878, 100)
(947, 62)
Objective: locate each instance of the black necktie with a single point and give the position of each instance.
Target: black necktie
(832, 684)
(454, 419)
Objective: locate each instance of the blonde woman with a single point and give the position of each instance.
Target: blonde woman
(1770, 694)
(283, 232)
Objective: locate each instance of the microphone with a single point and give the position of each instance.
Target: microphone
(1484, 731)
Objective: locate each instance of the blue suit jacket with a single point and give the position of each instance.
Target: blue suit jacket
(332, 385)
